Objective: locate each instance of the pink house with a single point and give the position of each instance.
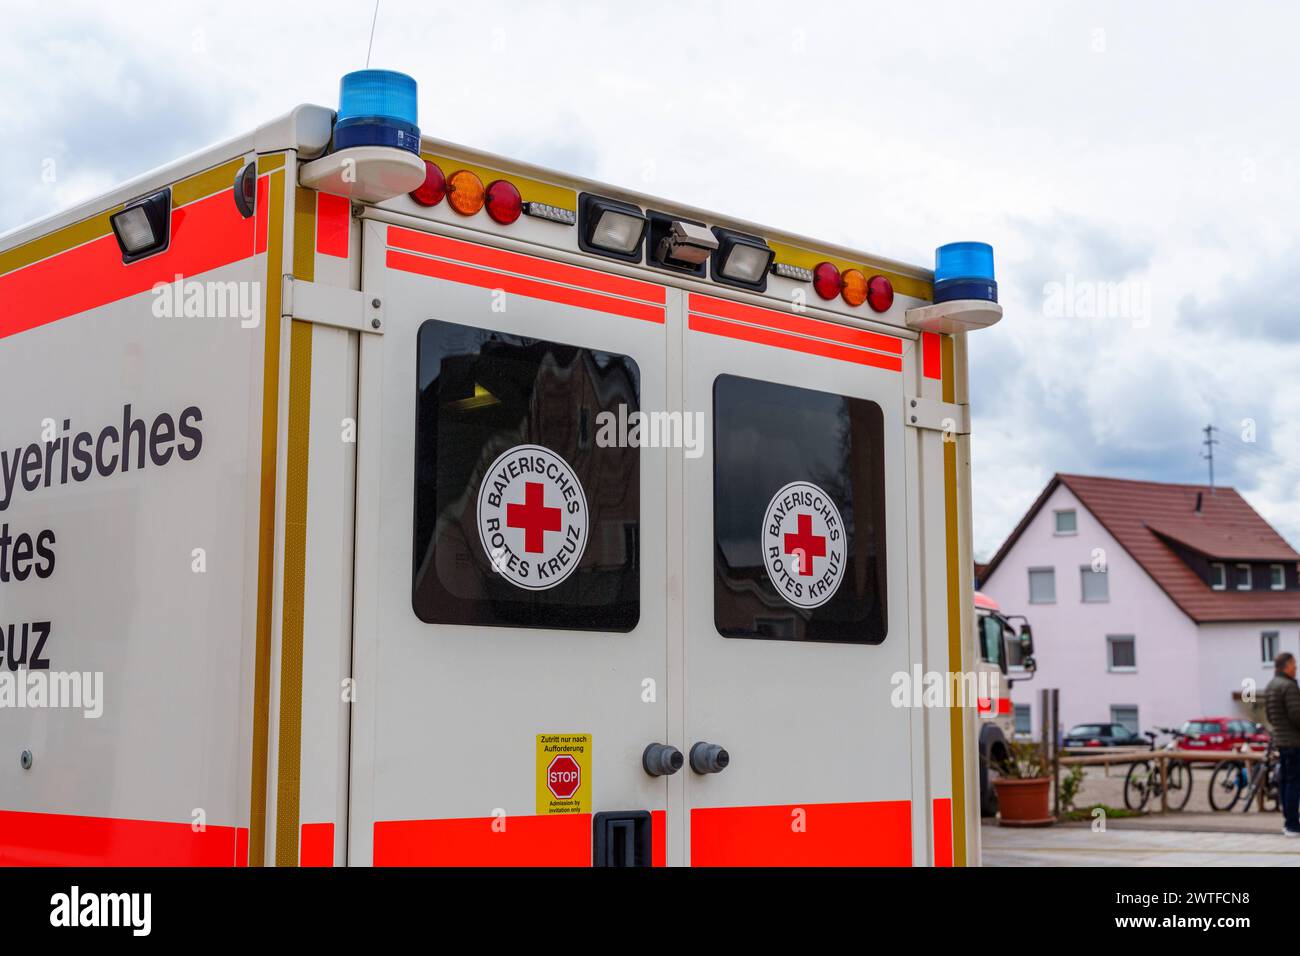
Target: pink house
(1151, 603)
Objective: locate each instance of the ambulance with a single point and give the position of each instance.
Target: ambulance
(367, 499)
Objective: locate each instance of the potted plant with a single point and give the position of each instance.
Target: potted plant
(1024, 787)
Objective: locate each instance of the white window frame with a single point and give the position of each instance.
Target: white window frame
(1218, 570)
(1029, 583)
(1056, 521)
(1249, 579)
(1111, 667)
(1277, 577)
(1084, 571)
(1266, 658)
(1137, 716)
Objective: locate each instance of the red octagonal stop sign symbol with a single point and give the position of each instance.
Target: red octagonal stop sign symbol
(563, 776)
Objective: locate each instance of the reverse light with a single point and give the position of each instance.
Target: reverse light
(964, 270)
(377, 108)
(854, 291)
(144, 227)
(610, 227)
(826, 280)
(433, 189)
(465, 192)
(880, 293)
(504, 203)
(741, 260)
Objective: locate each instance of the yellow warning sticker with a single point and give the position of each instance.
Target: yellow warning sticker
(563, 773)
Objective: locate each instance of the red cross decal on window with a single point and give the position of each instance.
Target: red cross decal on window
(804, 544)
(534, 517)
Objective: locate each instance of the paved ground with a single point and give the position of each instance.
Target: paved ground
(1194, 837)
(1075, 845)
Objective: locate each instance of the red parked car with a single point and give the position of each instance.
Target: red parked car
(1221, 733)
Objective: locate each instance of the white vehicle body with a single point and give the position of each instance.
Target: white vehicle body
(238, 567)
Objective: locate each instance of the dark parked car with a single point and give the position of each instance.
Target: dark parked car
(1102, 735)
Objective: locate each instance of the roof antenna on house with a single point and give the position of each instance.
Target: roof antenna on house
(371, 45)
(1209, 443)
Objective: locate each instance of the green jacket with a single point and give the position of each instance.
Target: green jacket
(1282, 707)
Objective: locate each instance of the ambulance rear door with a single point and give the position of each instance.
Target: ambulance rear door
(510, 636)
(796, 591)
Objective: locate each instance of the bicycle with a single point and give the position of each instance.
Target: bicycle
(1145, 779)
(1234, 780)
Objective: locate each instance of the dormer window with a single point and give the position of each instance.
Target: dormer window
(1277, 577)
(1243, 577)
(1218, 577)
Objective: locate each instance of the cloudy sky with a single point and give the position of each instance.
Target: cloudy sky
(1136, 171)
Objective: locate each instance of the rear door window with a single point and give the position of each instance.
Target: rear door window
(799, 514)
(524, 515)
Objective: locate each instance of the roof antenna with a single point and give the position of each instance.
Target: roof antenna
(371, 45)
(1209, 443)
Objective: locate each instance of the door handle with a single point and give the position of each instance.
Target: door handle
(709, 758)
(661, 760)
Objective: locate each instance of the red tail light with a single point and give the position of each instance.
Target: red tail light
(503, 202)
(434, 187)
(826, 280)
(880, 293)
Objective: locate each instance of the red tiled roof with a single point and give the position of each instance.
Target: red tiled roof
(1138, 513)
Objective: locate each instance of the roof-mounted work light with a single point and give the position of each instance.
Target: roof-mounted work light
(741, 260)
(377, 108)
(143, 228)
(610, 227)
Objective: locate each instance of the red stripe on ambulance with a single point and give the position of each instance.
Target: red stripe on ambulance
(828, 834)
(532, 288)
(552, 840)
(943, 831)
(205, 234)
(795, 343)
(785, 322)
(504, 261)
(57, 839)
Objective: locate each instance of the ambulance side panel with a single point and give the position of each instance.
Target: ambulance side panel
(149, 590)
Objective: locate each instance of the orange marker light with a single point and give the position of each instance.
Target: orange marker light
(854, 287)
(465, 192)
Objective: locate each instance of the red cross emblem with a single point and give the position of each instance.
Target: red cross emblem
(534, 517)
(805, 545)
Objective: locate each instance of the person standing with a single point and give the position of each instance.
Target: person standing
(1282, 708)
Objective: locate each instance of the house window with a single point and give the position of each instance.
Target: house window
(1067, 522)
(1277, 577)
(1218, 577)
(1042, 585)
(1095, 586)
(1024, 719)
(1121, 653)
(1243, 577)
(1125, 715)
(1268, 646)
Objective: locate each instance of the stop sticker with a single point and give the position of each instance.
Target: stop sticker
(563, 776)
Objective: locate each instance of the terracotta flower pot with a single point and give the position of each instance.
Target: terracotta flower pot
(1024, 803)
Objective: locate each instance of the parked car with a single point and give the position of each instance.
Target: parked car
(1102, 735)
(1221, 733)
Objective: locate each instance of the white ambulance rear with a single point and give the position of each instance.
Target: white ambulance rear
(413, 505)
